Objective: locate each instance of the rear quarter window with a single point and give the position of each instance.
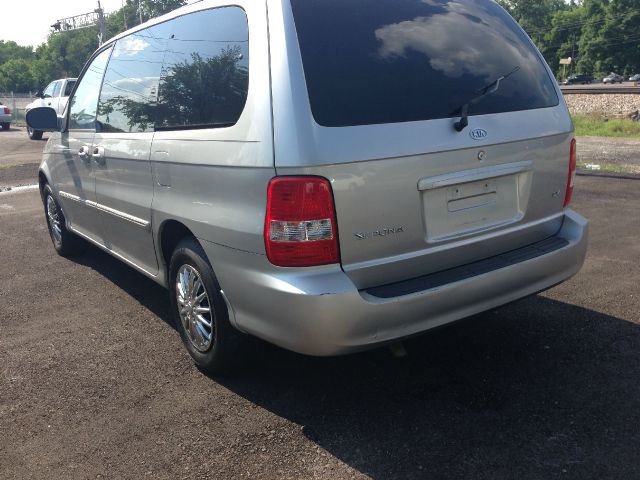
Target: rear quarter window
(205, 75)
(389, 61)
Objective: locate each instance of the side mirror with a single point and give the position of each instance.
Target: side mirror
(44, 119)
(40, 94)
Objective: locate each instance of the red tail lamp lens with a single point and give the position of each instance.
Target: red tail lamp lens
(300, 226)
(572, 173)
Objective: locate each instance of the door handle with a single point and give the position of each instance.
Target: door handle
(98, 155)
(83, 153)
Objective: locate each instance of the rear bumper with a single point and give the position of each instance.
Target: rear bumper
(320, 311)
(5, 118)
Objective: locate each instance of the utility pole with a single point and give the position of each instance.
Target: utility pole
(140, 9)
(573, 49)
(102, 27)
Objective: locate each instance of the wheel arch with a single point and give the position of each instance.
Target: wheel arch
(43, 179)
(170, 233)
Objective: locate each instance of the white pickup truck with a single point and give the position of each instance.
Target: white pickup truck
(55, 96)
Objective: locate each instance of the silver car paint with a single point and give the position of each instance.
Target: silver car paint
(384, 177)
(321, 312)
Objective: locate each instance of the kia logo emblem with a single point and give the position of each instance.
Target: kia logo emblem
(478, 134)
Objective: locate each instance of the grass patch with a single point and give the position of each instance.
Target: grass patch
(593, 126)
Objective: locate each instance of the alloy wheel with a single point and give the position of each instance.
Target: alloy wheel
(194, 308)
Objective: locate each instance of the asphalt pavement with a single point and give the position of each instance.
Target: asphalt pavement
(19, 157)
(95, 383)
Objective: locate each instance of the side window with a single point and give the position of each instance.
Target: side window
(48, 92)
(82, 112)
(56, 89)
(130, 88)
(69, 87)
(205, 73)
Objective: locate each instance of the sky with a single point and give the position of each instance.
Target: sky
(28, 22)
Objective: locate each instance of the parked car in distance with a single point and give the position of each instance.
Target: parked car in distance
(578, 79)
(247, 163)
(54, 96)
(613, 78)
(635, 78)
(5, 117)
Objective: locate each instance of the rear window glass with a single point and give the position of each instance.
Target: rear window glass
(389, 61)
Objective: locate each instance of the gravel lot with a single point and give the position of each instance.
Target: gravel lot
(94, 382)
(19, 157)
(620, 153)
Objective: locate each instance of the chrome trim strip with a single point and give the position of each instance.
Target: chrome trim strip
(125, 216)
(467, 176)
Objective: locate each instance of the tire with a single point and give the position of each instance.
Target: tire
(34, 134)
(6, 125)
(213, 343)
(65, 242)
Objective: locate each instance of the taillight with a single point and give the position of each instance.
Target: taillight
(6, 110)
(300, 227)
(572, 173)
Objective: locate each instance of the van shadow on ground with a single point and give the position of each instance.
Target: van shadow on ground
(538, 389)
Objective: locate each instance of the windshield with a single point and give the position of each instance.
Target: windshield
(388, 61)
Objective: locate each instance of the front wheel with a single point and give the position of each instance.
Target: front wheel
(65, 242)
(200, 311)
(34, 134)
(6, 125)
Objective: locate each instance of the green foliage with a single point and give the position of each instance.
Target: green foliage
(594, 126)
(15, 76)
(11, 50)
(601, 36)
(65, 53)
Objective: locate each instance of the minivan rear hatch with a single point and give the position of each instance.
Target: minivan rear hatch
(386, 83)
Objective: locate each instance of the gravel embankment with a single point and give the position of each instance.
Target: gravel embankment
(610, 105)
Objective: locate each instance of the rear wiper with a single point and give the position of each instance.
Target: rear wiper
(483, 92)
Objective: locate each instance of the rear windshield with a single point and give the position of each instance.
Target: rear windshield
(388, 61)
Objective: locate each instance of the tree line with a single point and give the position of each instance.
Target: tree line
(601, 36)
(23, 69)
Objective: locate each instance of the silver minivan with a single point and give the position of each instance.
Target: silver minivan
(328, 176)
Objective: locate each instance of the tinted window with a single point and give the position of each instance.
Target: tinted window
(205, 74)
(69, 87)
(130, 87)
(82, 112)
(387, 61)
